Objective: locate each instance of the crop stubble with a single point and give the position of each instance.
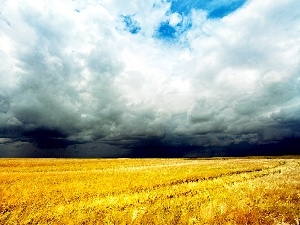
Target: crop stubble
(150, 191)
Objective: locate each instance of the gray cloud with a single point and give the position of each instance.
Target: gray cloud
(77, 78)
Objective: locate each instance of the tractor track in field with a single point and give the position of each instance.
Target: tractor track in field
(201, 179)
(209, 178)
(254, 174)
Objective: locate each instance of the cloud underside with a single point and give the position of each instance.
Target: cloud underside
(149, 75)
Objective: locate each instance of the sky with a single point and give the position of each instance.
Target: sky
(151, 78)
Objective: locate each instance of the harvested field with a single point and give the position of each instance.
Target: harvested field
(150, 191)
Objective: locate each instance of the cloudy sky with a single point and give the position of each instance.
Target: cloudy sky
(152, 77)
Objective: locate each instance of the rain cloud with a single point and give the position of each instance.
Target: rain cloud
(151, 78)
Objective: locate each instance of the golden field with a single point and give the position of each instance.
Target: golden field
(150, 191)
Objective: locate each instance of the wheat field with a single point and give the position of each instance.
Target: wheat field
(150, 191)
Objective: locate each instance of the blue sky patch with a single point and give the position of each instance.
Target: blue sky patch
(185, 7)
(173, 27)
(165, 31)
(131, 25)
(224, 10)
(214, 8)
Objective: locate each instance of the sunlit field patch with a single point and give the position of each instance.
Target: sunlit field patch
(150, 191)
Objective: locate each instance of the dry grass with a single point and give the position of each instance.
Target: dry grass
(150, 191)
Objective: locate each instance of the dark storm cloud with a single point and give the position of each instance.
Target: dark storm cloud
(72, 79)
(44, 138)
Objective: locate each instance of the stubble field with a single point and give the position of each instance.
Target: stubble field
(150, 191)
